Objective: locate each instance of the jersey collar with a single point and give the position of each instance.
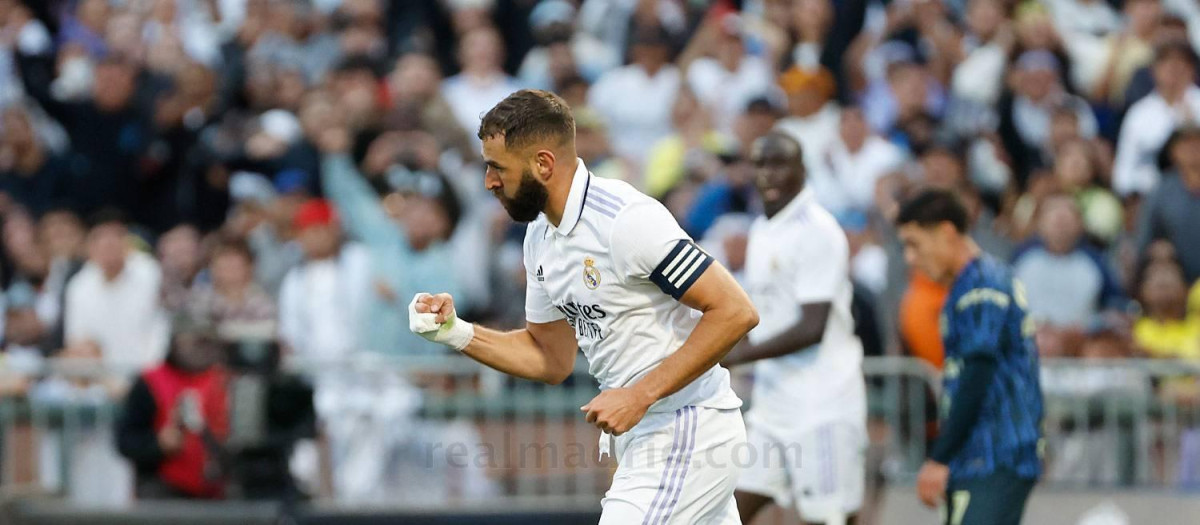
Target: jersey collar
(573, 210)
(795, 207)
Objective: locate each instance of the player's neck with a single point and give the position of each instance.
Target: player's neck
(963, 257)
(560, 191)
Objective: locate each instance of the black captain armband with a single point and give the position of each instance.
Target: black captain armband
(680, 268)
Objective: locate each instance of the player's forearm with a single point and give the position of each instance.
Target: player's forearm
(802, 335)
(516, 353)
(716, 333)
(978, 372)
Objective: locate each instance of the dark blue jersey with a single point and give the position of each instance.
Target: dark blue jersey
(985, 318)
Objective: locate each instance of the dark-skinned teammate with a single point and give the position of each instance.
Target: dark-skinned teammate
(807, 417)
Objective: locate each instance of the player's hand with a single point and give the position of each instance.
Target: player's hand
(433, 317)
(441, 305)
(931, 482)
(617, 410)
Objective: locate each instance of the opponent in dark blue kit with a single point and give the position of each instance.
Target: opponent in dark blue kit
(987, 456)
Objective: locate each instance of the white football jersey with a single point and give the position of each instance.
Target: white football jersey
(615, 268)
(802, 256)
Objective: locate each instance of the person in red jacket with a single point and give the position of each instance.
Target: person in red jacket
(176, 417)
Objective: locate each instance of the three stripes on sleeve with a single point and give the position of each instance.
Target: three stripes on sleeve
(680, 268)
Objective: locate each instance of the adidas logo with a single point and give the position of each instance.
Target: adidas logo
(540, 276)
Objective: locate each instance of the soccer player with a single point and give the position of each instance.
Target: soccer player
(987, 455)
(807, 421)
(611, 273)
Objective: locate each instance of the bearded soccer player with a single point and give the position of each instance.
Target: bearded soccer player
(610, 272)
(987, 456)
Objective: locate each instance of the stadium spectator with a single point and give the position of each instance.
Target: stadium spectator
(731, 190)
(1165, 329)
(979, 76)
(238, 307)
(482, 83)
(321, 301)
(1170, 28)
(688, 151)
(1068, 283)
(1076, 171)
(855, 161)
(114, 299)
(30, 174)
(181, 260)
(593, 146)
(906, 92)
(1026, 115)
(61, 233)
(918, 323)
(24, 332)
(405, 234)
(1174, 207)
(721, 71)
(591, 56)
(1175, 102)
(646, 118)
(32, 308)
(176, 418)
(1094, 18)
(813, 115)
(1107, 64)
(417, 103)
(758, 118)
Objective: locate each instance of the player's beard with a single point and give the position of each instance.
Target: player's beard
(529, 201)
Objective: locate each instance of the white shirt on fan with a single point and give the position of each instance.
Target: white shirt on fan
(123, 316)
(615, 268)
(801, 256)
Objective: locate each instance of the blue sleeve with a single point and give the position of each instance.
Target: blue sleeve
(980, 316)
(358, 206)
(978, 372)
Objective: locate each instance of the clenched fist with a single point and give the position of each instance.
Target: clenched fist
(433, 317)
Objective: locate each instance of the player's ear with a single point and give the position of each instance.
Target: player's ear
(945, 231)
(543, 164)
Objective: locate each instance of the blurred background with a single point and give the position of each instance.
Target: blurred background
(204, 316)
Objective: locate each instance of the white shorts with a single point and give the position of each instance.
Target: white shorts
(677, 468)
(822, 471)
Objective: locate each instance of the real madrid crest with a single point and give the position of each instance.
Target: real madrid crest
(591, 276)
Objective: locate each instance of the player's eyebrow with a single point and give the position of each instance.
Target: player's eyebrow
(495, 165)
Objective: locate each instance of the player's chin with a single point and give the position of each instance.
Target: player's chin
(519, 215)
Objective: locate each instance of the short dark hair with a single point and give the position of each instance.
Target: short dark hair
(932, 207)
(107, 216)
(1175, 47)
(529, 116)
(234, 246)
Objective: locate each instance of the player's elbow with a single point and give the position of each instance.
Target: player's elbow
(556, 377)
(746, 319)
(557, 372)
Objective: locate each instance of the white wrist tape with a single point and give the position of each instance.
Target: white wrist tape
(454, 333)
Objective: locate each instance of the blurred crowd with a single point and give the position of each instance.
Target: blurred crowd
(298, 169)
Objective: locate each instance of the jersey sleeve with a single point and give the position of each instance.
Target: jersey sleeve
(824, 265)
(980, 315)
(647, 243)
(538, 307)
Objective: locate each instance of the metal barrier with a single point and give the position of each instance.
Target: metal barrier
(441, 431)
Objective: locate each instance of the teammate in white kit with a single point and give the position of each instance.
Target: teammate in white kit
(807, 417)
(611, 273)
